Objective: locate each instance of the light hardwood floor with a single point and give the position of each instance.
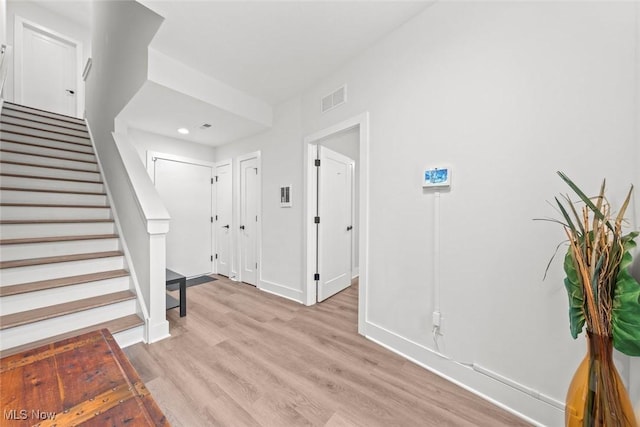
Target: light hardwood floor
(242, 357)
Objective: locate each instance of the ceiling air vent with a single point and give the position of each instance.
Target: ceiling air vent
(335, 98)
(205, 126)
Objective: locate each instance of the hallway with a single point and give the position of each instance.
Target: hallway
(247, 358)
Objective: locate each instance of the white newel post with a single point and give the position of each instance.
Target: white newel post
(158, 327)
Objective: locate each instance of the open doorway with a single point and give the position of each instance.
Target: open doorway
(327, 141)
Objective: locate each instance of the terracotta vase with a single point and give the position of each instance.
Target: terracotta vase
(596, 396)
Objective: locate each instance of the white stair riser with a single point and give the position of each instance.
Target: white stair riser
(24, 334)
(11, 196)
(21, 212)
(46, 151)
(21, 231)
(130, 336)
(51, 184)
(33, 111)
(41, 250)
(81, 139)
(44, 171)
(43, 127)
(32, 300)
(47, 161)
(25, 115)
(34, 273)
(7, 136)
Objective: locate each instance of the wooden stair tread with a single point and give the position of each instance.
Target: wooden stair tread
(84, 144)
(53, 239)
(36, 165)
(39, 129)
(31, 144)
(52, 221)
(23, 288)
(114, 326)
(53, 178)
(21, 125)
(46, 190)
(52, 205)
(25, 317)
(57, 259)
(47, 156)
(30, 119)
(38, 112)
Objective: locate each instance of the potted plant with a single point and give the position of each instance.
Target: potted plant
(603, 298)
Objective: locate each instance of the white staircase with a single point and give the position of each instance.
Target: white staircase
(62, 270)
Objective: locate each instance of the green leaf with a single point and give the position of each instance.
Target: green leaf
(587, 201)
(566, 216)
(576, 296)
(625, 314)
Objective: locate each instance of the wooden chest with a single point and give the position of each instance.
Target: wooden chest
(86, 380)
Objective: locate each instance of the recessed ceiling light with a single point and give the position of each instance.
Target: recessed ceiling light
(183, 131)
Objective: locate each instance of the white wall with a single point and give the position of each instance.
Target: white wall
(144, 141)
(3, 22)
(281, 154)
(3, 41)
(507, 94)
(348, 143)
(121, 33)
(60, 24)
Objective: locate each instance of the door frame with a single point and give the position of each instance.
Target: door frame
(236, 231)
(152, 156)
(19, 25)
(362, 122)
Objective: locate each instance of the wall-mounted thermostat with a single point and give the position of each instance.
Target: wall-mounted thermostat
(437, 177)
(285, 197)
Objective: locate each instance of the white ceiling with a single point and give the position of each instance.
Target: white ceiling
(271, 50)
(163, 111)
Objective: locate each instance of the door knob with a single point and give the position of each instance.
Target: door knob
(242, 227)
(225, 226)
(349, 228)
(70, 92)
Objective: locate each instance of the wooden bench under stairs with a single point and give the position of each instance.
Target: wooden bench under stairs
(62, 269)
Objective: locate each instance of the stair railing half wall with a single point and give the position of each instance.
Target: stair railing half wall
(143, 246)
(147, 243)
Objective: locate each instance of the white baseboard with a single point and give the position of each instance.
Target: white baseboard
(281, 291)
(157, 331)
(355, 272)
(528, 408)
(130, 336)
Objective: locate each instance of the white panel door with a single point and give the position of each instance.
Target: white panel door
(223, 219)
(335, 228)
(48, 72)
(249, 198)
(185, 189)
